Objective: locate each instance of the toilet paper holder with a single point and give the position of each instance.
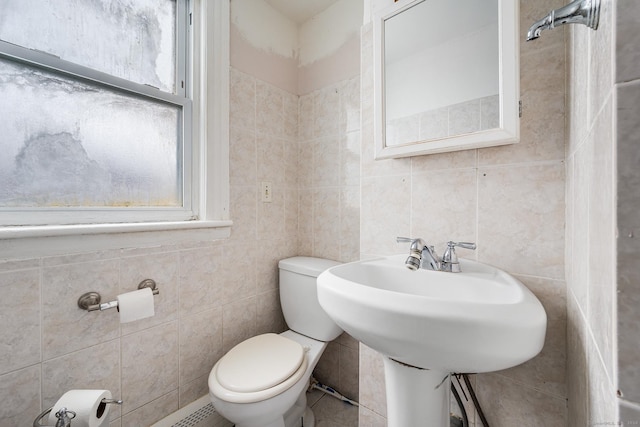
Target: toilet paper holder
(65, 416)
(90, 301)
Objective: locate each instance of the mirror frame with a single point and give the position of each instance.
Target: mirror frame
(509, 86)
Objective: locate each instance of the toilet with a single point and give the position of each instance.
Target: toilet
(262, 381)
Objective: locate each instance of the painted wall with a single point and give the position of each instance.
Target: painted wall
(296, 57)
(510, 200)
(330, 46)
(264, 43)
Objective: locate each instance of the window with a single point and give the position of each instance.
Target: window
(102, 107)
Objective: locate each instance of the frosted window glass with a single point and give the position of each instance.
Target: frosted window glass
(70, 143)
(131, 39)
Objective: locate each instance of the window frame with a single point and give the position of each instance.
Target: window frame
(204, 101)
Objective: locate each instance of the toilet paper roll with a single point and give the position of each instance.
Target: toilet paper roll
(135, 305)
(88, 406)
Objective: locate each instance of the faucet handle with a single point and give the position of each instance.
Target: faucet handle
(465, 245)
(450, 259)
(416, 244)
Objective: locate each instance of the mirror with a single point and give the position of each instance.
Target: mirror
(446, 76)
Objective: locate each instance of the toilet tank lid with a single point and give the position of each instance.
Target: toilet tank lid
(309, 266)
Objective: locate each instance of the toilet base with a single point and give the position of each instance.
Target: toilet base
(300, 415)
(308, 419)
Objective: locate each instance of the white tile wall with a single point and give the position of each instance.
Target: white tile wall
(591, 225)
(329, 201)
(627, 156)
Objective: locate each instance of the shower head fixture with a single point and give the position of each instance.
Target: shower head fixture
(586, 12)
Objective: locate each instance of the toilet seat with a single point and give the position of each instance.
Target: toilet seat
(259, 363)
(258, 368)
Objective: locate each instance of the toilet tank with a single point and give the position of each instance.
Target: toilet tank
(299, 297)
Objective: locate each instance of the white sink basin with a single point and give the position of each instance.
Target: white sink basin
(479, 320)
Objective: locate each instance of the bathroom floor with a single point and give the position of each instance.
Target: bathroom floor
(331, 412)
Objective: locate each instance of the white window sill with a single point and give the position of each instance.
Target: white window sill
(36, 241)
(88, 229)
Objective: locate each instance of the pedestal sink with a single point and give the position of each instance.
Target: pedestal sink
(428, 324)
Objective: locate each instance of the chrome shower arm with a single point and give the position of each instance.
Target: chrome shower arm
(586, 12)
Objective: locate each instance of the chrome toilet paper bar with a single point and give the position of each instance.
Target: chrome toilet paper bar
(65, 416)
(90, 301)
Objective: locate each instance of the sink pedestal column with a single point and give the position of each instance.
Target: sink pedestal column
(416, 397)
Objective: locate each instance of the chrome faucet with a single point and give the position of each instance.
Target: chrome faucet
(585, 12)
(421, 255)
(424, 256)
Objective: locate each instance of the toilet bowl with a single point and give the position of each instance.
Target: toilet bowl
(262, 381)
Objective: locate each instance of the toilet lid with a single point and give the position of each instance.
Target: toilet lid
(259, 363)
